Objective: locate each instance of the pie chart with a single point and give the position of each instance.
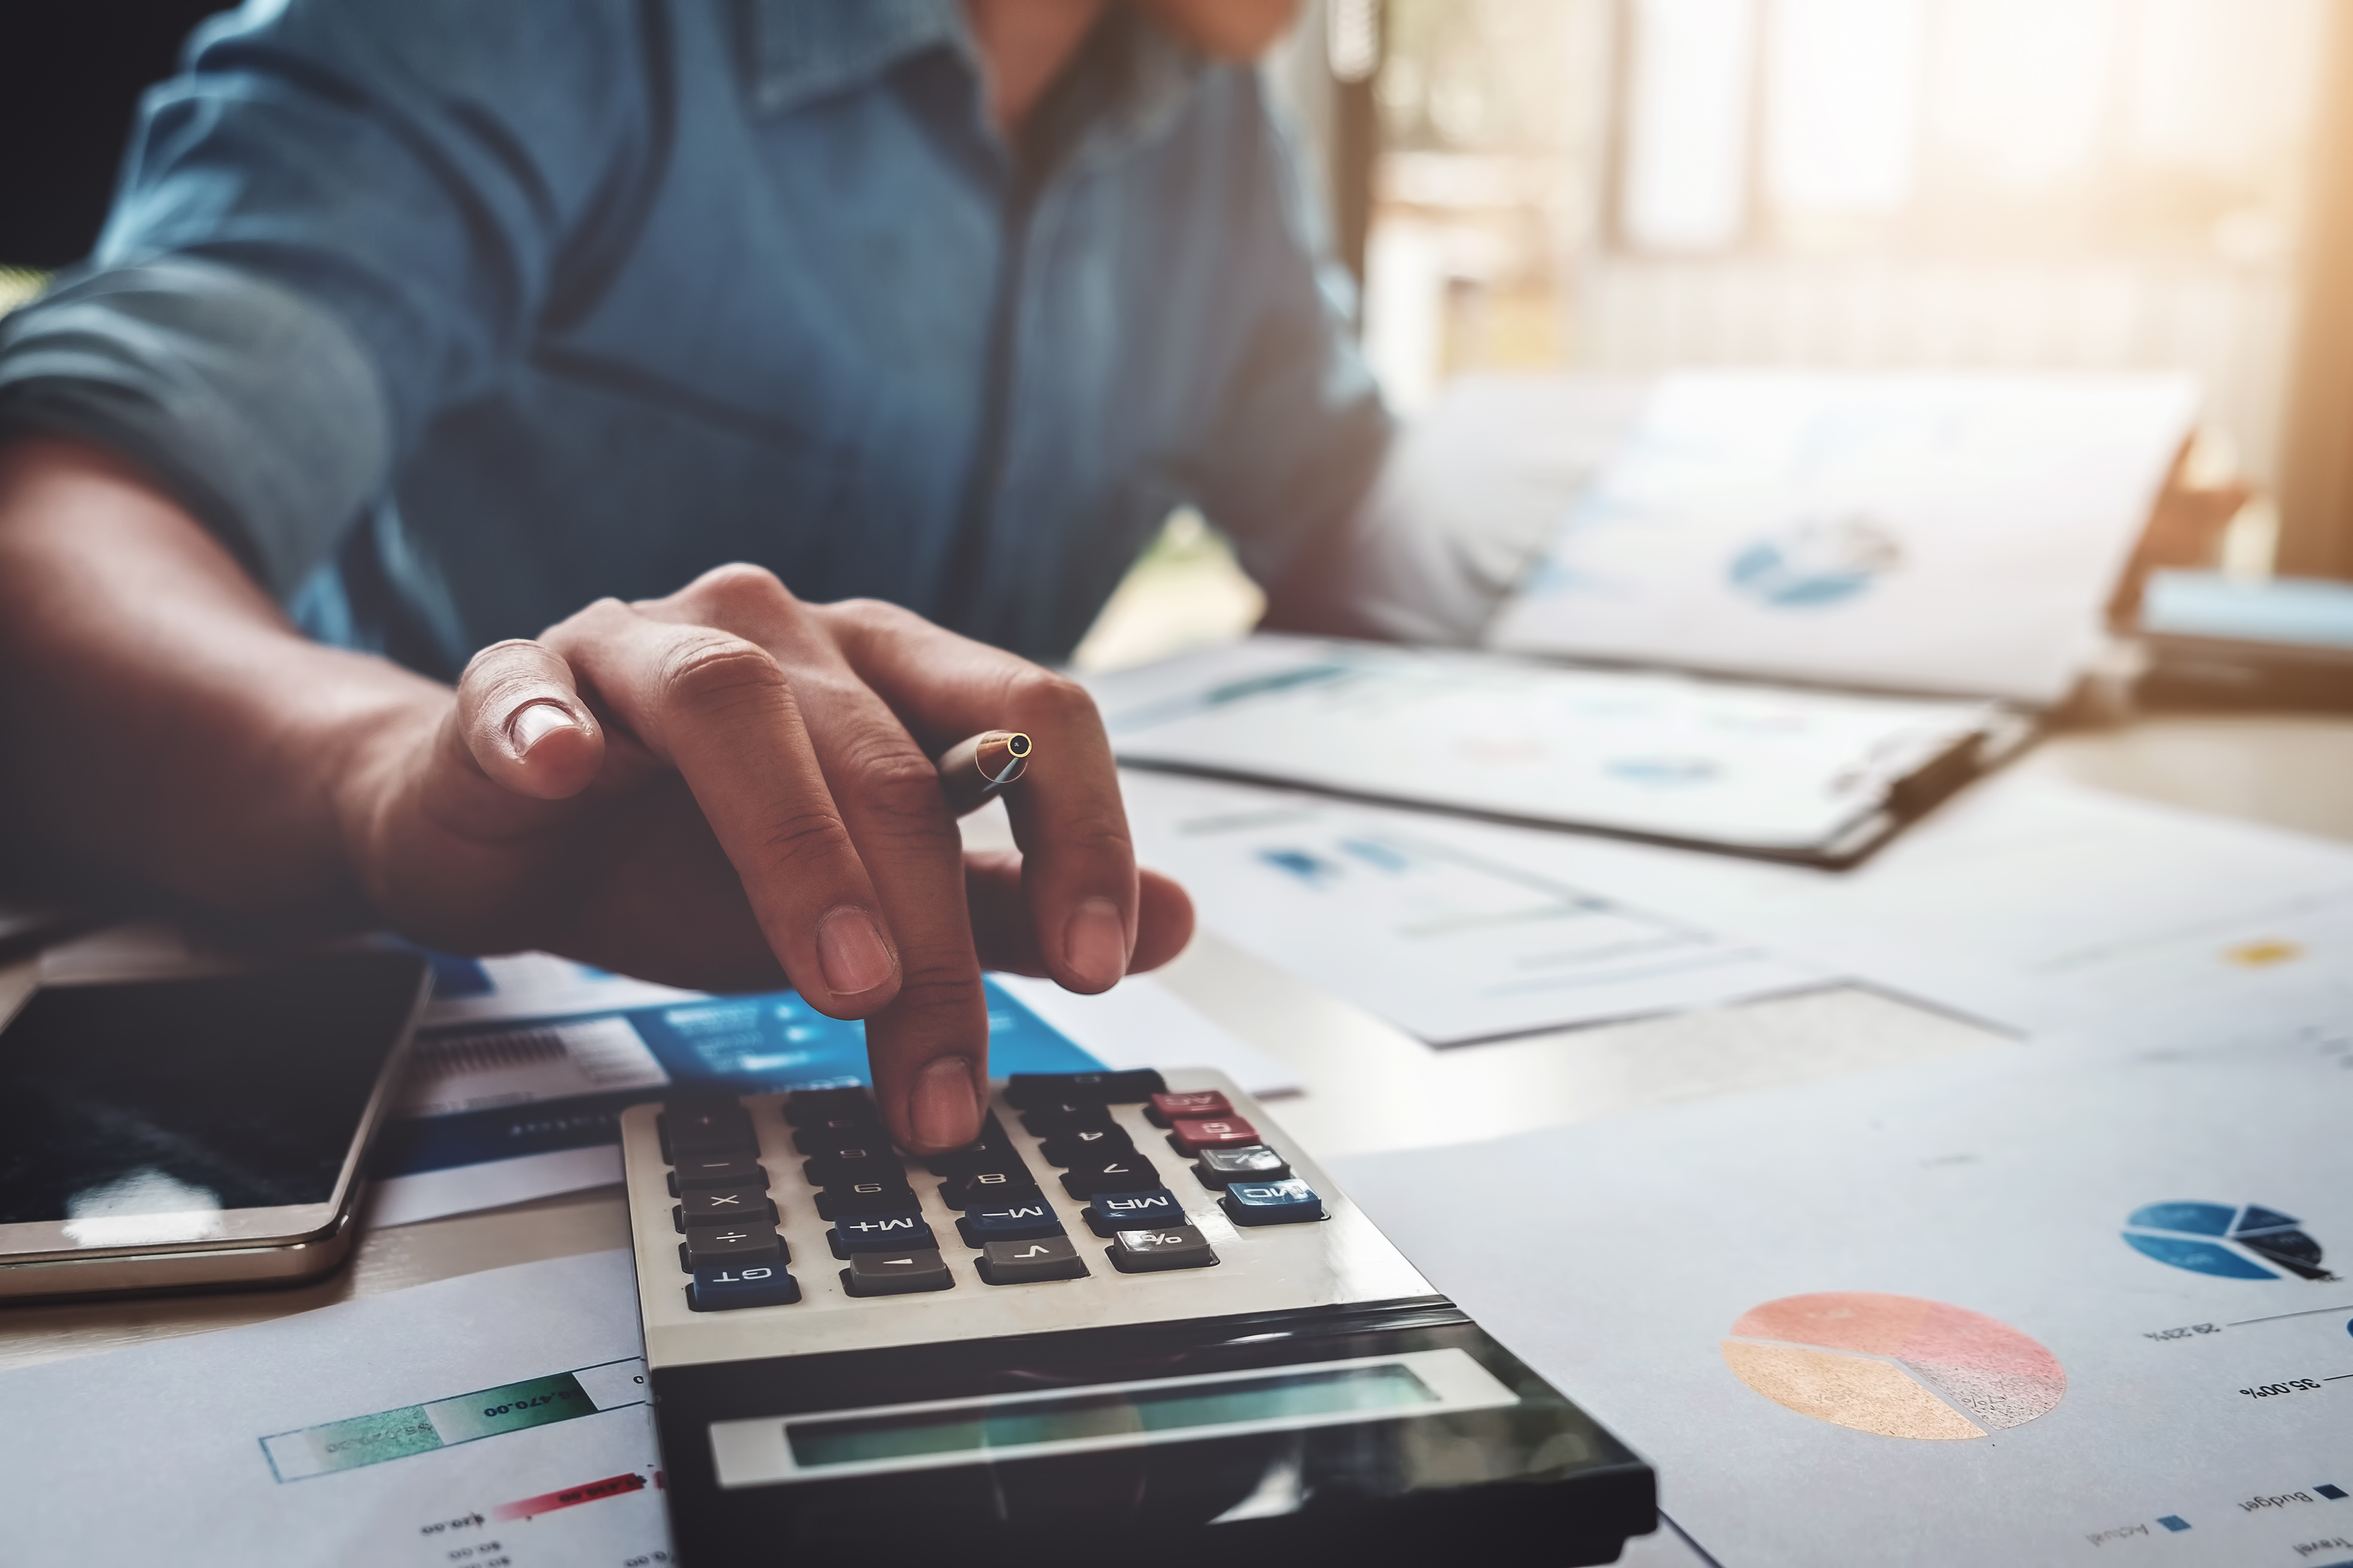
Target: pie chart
(1894, 1366)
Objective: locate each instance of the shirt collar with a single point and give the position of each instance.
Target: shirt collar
(803, 50)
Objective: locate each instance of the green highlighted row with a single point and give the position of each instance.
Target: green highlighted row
(420, 1428)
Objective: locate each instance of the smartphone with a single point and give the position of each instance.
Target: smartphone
(205, 1129)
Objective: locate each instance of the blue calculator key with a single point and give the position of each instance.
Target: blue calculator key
(1009, 1222)
(724, 1288)
(1270, 1203)
(1111, 1213)
(878, 1232)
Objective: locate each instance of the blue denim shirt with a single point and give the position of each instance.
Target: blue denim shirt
(451, 317)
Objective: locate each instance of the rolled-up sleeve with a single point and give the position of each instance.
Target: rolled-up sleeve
(338, 221)
(255, 406)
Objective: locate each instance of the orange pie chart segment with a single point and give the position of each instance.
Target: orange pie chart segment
(1896, 1365)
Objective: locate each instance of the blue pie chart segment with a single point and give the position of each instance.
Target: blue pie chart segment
(2198, 1256)
(2197, 1219)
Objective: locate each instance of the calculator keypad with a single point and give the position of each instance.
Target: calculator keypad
(888, 1234)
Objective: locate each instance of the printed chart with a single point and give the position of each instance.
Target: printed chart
(2226, 1240)
(1450, 946)
(1895, 1365)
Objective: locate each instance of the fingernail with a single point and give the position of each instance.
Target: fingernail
(1095, 943)
(944, 1109)
(851, 950)
(534, 723)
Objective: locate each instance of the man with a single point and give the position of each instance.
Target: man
(423, 325)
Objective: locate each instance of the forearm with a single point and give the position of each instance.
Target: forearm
(163, 716)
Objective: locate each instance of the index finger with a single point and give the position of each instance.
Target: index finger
(720, 711)
(1079, 863)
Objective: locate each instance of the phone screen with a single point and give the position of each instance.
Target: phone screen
(196, 1095)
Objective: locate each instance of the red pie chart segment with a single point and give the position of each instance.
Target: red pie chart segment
(1999, 1377)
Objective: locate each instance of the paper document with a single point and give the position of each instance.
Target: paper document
(1654, 755)
(2030, 902)
(2011, 1307)
(498, 1417)
(1448, 946)
(1955, 533)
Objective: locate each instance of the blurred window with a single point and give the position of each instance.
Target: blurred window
(1966, 127)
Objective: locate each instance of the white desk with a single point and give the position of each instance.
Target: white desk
(1370, 1086)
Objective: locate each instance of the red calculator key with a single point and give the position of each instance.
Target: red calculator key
(1193, 1134)
(1168, 1107)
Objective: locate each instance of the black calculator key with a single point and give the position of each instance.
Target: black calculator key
(1128, 1172)
(834, 1134)
(717, 1173)
(865, 1198)
(988, 1152)
(851, 1166)
(1252, 1163)
(1009, 1222)
(1024, 1090)
(880, 1233)
(1067, 1116)
(723, 1290)
(1085, 1147)
(1271, 1202)
(723, 1205)
(810, 1105)
(1027, 1262)
(1170, 1246)
(983, 1188)
(692, 1131)
(895, 1273)
(1114, 1212)
(706, 1244)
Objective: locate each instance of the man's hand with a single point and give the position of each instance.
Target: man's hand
(702, 787)
(713, 789)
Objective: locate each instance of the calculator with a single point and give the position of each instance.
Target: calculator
(1131, 1323)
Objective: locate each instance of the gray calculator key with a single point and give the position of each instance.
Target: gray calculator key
(717, 1173)
(1253, 1163)
(1171, 1247)
(895, 1273)
(1025, 1262)
(708, 1243)
(720, 1206)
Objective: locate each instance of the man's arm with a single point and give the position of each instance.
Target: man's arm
(707, 788)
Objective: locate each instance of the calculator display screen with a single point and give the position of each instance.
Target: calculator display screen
(193, 1098)
(1288, 1395)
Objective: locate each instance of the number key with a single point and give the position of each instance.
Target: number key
(986, 1187)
